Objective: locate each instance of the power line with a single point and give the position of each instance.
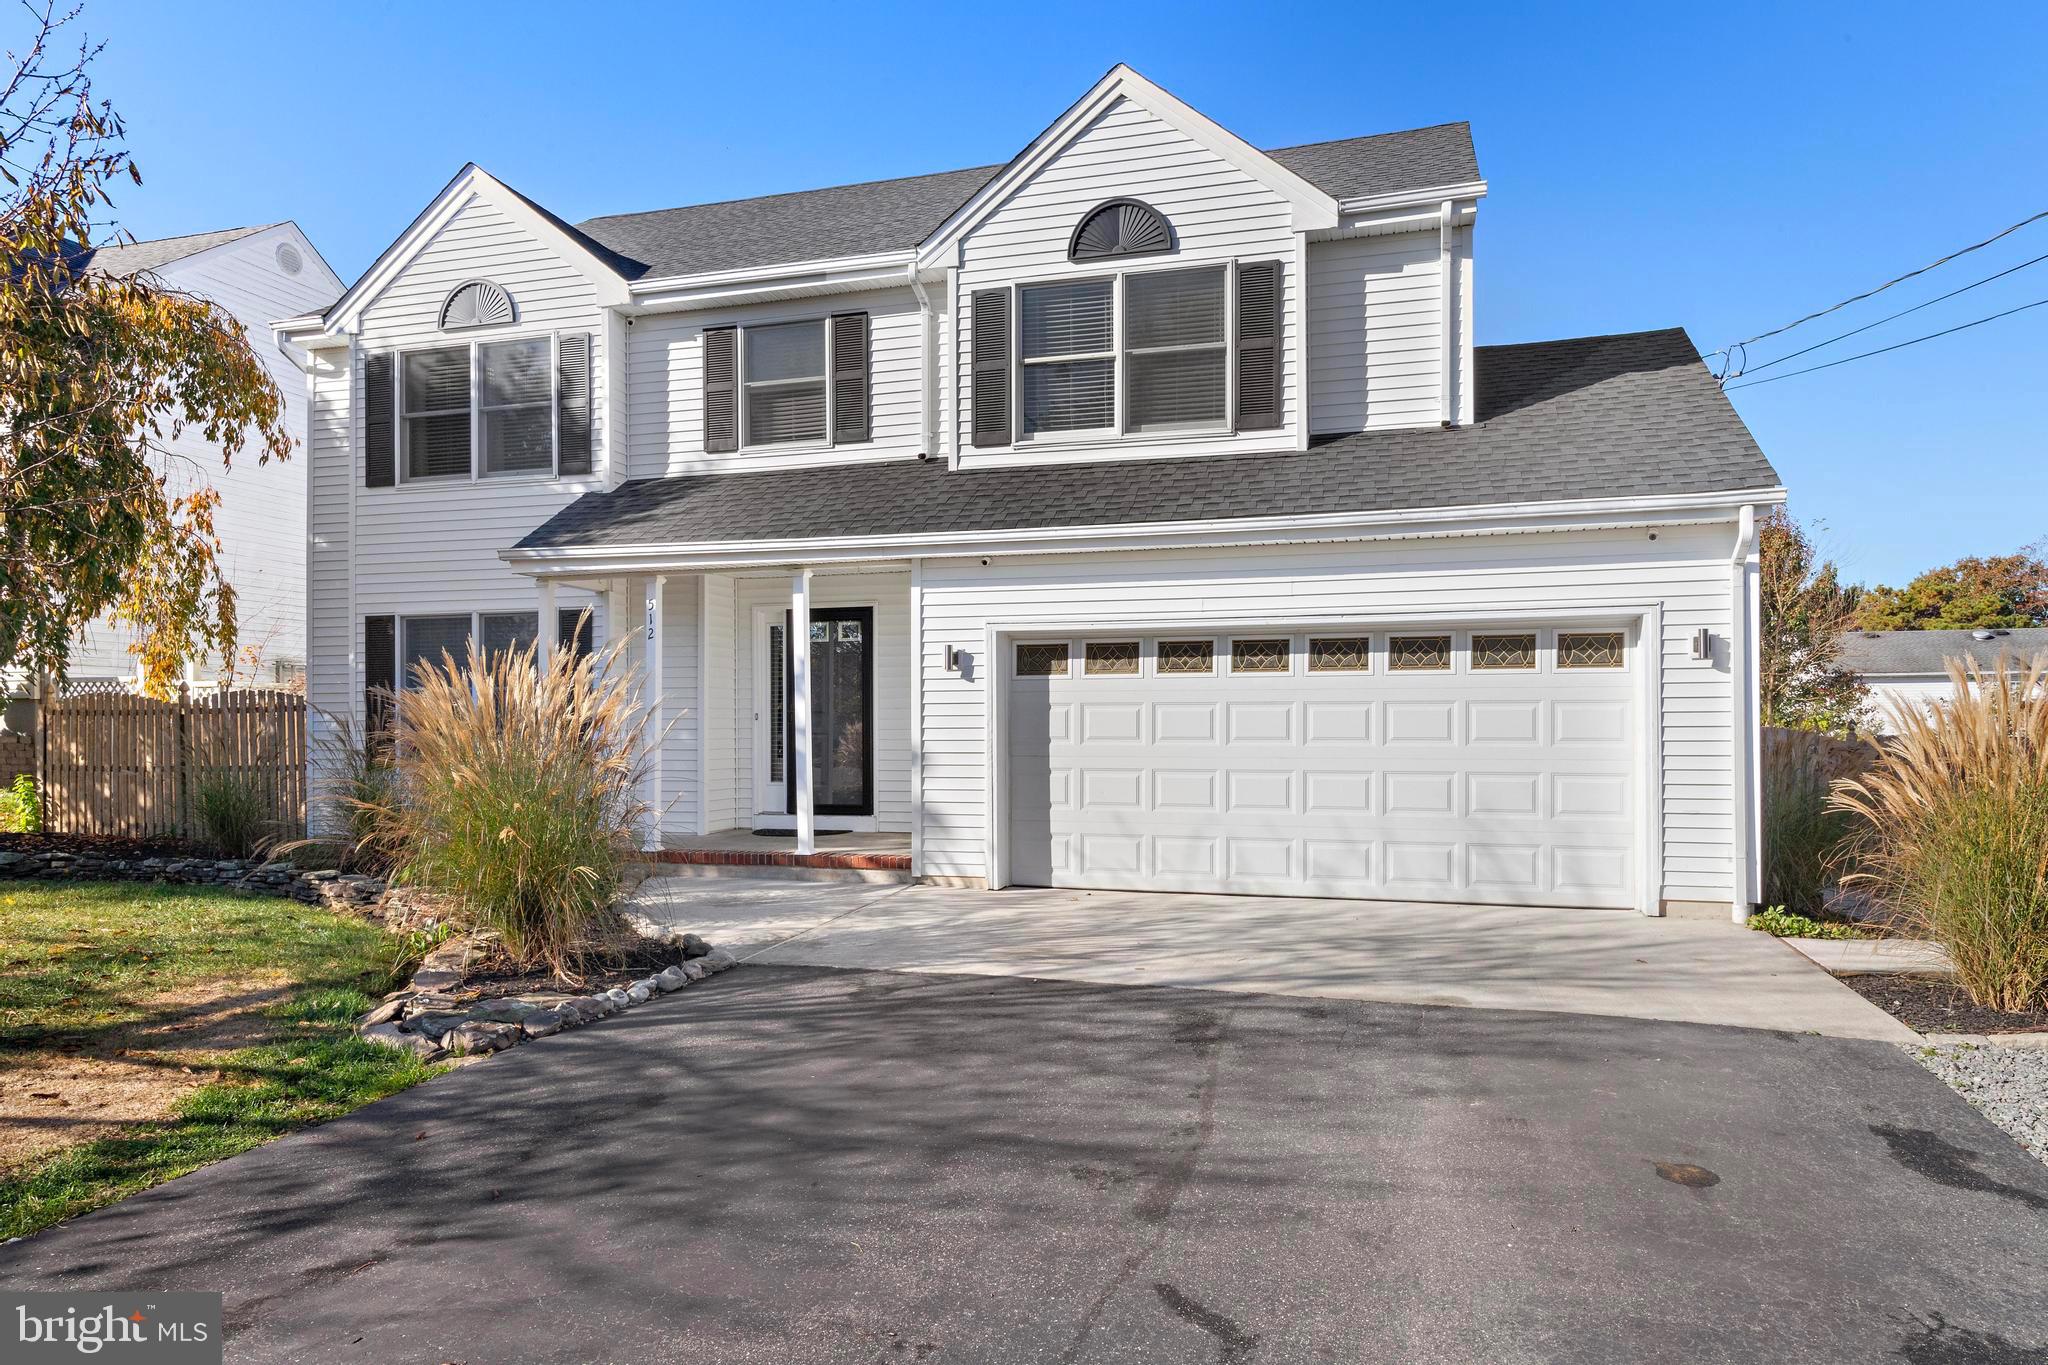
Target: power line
(1959, 327)
(1939, 298)
(1901, 279)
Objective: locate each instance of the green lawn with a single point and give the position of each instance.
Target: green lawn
(82, 964)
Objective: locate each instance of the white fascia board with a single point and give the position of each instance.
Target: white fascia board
(716, 289)
(1406, 199)
(1409, 524)
(1312, 207)
(472, 182)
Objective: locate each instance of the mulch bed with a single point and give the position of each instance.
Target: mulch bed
(632, 961)
(1935, 1004)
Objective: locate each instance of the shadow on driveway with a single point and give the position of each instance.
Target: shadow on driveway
(794, 1164)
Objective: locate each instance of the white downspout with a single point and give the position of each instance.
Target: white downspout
(1742, 796)
(1446, 270)
(928, 360)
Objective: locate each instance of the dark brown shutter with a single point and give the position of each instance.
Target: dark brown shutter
(850, 378)
(380, 673)
(573, 422)
(379, 456)
(1258, 345)
(991, 366)
(721, 390)
(575, 630)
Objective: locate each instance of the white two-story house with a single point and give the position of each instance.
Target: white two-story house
(1136, 513)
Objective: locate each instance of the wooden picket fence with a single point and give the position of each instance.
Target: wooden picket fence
(117, 764)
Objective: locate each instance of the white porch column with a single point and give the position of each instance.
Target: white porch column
(800, 708)
(544, 637)
(651, 689)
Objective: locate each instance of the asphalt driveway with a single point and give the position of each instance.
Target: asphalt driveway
(799, 1164)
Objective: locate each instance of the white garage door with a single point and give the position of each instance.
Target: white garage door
(1452, 765)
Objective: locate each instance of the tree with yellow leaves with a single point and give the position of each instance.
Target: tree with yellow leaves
(97, 376)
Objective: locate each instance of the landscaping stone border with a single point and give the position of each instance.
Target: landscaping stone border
(426, 1018)
(265, 877)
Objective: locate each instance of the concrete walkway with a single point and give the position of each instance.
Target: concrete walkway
(1862, 955)
(1599, 962)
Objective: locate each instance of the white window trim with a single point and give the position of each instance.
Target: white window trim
(745, 387)
(1119, 354)
(476, 626)
(401, 461)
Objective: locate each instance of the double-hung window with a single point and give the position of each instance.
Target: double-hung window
(1066, 343)
(1158, 338)
(783, 383)
(483, 409)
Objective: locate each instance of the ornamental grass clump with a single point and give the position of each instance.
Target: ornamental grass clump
(516, 793)
(1955, 836)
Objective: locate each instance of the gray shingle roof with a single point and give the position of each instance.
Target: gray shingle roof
(895, 215)
(1593, 417)
(1891, 653)
(121, 260)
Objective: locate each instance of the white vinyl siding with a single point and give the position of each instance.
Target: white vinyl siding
(427, 548)
(1218, 213)
(665, 378)
(262, 517)
(1684, 570)
(1376, 331)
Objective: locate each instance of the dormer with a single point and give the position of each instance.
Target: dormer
(1140, 281)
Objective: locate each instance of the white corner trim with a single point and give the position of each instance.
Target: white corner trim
(1312, 207)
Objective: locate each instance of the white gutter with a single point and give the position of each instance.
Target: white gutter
(1403, 199)
(1582, 515)
(1742, 797)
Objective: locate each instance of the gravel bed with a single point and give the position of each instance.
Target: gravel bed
(2008, 1085)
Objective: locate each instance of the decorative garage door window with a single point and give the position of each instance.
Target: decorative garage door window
(1418, 653)
(1042, 660)
(1339, 654)
(1504, 651)
(1112, 658)
(1258, 656)
(1187, 656)
(1589, 649)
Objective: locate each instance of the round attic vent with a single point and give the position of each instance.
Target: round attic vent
(288, 259)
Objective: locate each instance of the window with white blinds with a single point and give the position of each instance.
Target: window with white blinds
(434, 412)
(516, 422)
(782, 383)
(1067, 350)
(1175, 350)
(487, 409)
(1163, 336)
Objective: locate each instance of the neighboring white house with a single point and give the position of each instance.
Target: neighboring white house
(1911, 666)
(255, 274)
(1149, 515)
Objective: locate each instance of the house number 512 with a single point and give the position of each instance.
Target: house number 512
(650, 618)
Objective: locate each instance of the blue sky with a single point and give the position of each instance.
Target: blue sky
(1722, 167)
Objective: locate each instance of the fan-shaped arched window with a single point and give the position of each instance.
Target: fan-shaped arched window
(476, 304)
(1122, 227)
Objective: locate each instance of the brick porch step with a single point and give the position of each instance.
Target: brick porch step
(837, 861)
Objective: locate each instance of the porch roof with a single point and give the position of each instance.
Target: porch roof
(1634, 415)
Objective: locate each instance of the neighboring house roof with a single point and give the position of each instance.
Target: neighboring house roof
(128, 258)
(897, 215)
(1905, 653)
(1635, 414)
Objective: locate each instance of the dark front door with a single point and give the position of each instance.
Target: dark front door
(842, 712)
